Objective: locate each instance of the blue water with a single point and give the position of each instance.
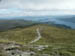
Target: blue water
(68, 20)
(62, 20)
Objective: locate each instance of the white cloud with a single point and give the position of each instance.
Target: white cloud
(35, 7)
(38, 4)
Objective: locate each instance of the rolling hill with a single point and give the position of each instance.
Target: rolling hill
(58, 39)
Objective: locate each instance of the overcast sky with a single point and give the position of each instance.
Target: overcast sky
(36, 7)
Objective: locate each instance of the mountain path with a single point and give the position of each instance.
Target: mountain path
(38, 36)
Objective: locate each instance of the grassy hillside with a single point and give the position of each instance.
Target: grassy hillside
(56, 35)
(49, 34)
(59, 39)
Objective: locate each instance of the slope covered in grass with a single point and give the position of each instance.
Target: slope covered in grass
(60, 41)
(21, 35)
(56, 35)
(49, 34)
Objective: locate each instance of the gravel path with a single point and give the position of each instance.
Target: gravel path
(38, 36)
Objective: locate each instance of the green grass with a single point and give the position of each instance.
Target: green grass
(18, 35)
(55, 37)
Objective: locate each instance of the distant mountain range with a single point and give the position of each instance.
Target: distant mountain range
(10, 24)
(59, 21)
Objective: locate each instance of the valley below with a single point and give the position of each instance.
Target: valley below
(46, 36)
